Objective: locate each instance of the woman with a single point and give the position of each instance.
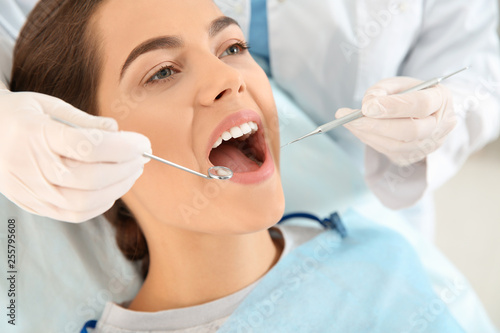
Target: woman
(206, 249)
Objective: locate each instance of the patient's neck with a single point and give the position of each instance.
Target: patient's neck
(188, 268)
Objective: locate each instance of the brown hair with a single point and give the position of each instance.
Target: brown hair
(57, 54)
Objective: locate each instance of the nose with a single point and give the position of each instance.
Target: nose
(219, 81)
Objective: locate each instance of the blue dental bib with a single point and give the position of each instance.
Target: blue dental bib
(371, 281)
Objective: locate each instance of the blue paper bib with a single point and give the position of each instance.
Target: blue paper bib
(371, 281)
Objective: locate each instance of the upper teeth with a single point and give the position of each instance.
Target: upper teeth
(237, 132)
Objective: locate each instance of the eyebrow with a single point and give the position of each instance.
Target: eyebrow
(164, 42)
(220, 24)
(170, 42)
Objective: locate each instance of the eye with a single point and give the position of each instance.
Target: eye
(165, 73)
(235, 49)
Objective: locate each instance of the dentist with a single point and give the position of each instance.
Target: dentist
(328, 55)
(331, 54)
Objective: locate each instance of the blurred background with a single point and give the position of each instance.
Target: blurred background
(468, 224)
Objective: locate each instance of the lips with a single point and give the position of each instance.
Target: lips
(238, 143)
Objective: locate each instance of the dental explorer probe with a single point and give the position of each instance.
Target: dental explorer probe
(358, 113)
(215, 172)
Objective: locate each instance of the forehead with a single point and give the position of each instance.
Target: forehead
(126, 23)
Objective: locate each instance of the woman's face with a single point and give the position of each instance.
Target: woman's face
(178, 72)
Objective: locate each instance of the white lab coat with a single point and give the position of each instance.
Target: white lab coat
(326, 53)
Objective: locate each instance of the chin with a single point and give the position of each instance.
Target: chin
(257, 209)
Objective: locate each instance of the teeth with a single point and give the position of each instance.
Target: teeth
(245, 128)
(237, 132)
(226, 136)
(218, 142)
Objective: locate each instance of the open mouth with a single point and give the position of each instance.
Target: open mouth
(241, 148)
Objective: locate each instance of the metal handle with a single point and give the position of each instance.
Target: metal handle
(159, 159)
(341, 121)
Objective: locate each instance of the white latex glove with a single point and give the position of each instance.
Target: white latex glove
(407, 127)
(64, 173)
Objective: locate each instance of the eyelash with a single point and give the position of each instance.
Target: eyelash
(151, 80)
(242, 45)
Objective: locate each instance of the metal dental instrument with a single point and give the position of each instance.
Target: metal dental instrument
(215, 172)
(358, 113)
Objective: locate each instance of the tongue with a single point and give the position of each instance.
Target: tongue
(233, 158)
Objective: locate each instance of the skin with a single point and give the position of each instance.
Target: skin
(204, 228)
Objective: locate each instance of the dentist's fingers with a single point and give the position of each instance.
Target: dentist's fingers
(391, 86)
(83, 201)
(383, 101)
(400, 152)
(62, 110)
(67, 204)
(94, 145)
(75, 175)
(405, 129)
(417, 104)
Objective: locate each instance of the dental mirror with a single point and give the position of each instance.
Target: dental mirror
(215, 172)
(220, 172)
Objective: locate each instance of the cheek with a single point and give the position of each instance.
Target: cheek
(166, 194)
(261, 92)
(166, 124)
(263, 95)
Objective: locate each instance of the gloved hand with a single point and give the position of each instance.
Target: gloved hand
(58, 171)
(406, 127)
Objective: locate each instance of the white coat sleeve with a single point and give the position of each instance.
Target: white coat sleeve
(454, 34)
